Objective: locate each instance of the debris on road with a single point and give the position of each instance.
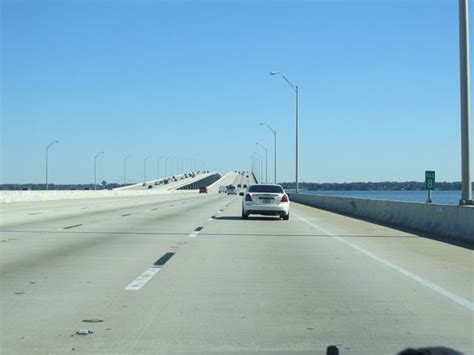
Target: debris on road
(84, 332)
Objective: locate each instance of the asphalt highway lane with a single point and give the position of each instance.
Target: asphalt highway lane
(219, 284)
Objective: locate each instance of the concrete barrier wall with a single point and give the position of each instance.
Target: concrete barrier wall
(205, 181)
(443, 221)
(32, 196)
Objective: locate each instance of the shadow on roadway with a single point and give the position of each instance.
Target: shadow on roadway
(238, 218)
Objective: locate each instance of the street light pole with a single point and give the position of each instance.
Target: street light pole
(297, 140)
(173, 172)
(166, 167)
(266, 161)
(260, 166)
(187, 164)
(158, 167)
(254, 168)
(125, 169)
(466, 196)
(95, 168)
(295, 89)
(274, 150)
(47, 148)
(144, 168)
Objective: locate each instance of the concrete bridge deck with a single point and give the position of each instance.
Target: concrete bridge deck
(229, 286)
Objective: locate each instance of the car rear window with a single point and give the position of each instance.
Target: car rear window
(266, 188)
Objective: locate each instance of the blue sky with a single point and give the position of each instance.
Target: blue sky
(379, 87)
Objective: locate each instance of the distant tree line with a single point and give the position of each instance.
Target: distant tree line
(103, 186)
(372, 186)
(311, 186)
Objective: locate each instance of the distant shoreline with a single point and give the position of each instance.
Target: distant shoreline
(308, 186)
(374, 186)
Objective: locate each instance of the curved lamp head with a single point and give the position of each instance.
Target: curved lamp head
(274, 72)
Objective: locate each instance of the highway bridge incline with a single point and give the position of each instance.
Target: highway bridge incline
(184, 273)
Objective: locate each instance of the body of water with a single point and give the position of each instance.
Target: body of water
(442, 197)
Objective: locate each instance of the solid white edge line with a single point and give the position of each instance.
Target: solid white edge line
(438, 289)
(141, 280)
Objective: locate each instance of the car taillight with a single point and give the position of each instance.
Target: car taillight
(284, 198)
(248, 198)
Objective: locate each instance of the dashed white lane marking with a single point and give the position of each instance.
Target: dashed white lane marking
(195, 232)
(141, 280)
(438, 289)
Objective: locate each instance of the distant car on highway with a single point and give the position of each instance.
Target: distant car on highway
(231, 190)
(265, 199)
(239, 186)
(222, 189)
(244, 186)
(203, 190)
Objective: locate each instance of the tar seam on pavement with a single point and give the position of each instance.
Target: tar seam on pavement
(74, 226)
(125, 215)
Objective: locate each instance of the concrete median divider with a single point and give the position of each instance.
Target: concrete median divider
(447, 222)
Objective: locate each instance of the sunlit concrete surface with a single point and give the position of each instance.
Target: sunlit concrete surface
(230, 285)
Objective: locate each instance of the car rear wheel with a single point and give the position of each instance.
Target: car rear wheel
(286, 217)
(244, 215)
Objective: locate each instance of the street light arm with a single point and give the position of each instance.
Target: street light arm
(50, 144)
(293, 86)
(261, 145)
(268, 126)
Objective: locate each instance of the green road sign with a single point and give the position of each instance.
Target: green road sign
(430, 180)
